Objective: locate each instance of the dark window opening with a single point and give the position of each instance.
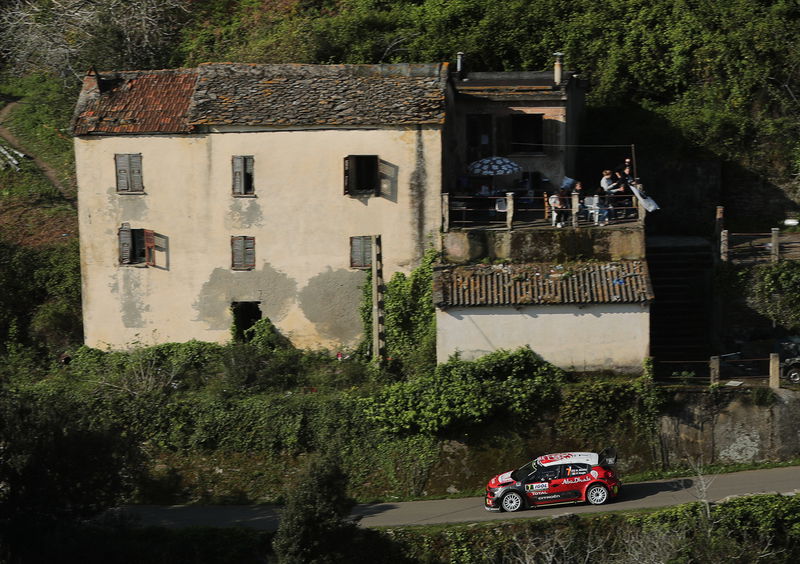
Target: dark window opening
(129, 173)
(136, 246)
(243, 252)
(479, 136)
(243, 177)
(526, 133)
(245, 315)
(362, 175)
(361, 251)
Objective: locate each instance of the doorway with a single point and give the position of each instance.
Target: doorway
(245, 315)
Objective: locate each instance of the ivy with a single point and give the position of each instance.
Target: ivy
(774, 292)
(461, 394)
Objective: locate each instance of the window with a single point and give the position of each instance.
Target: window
(243, 176)
(526, 133)
(362, 175)
(361, 251)
(243, 252)
(136, 246)
(479, 136)
(129, 173)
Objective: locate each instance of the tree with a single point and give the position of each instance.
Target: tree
(774, 293)
(54, 466)
(314, 526)
(66, 37)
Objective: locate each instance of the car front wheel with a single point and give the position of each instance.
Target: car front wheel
(512, 501)
(597, 495)
(794, 375)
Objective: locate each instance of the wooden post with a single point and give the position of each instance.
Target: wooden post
(445, 212)
(378, 333)
(713, 370)
(774, 371)
(509, 210)
(723, 245)
(576, 206)
(776, 244)
(719, 220)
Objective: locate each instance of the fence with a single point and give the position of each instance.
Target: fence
(730, 369)
(512, 210)
(753, 248)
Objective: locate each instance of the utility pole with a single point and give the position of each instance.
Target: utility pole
(378, 329)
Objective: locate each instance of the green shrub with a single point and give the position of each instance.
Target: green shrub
(460, 393)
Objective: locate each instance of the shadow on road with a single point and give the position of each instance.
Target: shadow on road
(364, 510)
(644, 490)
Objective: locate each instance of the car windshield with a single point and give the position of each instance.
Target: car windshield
(524, 471)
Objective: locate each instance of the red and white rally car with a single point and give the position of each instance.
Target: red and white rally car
(555, 478)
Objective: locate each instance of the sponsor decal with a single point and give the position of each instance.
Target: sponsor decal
(548, 497)
(577, 480)
(593, 473)
(550, 458)
(538, 486)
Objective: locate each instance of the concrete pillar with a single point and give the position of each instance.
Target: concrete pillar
(576, 205)
(509, 210)
(713, 370)
(774, 371)
(723, 246)
(776, 244)
(445, 212)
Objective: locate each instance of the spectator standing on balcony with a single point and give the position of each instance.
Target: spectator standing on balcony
(558, 203)
(609, 190)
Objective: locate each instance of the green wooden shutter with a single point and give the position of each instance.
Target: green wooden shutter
(249, 252)
(122, 166)
(249, 177)
(135, 163)
(238, 175)
(361, 252)
(125, 243)
(348, 173)
(243, 252)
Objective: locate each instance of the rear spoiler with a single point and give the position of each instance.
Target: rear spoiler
(608, 456)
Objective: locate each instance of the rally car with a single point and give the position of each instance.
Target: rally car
(555, 478)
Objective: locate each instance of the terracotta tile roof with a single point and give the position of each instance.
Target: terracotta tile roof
(231, 94)
(135, 102)
(540, 283)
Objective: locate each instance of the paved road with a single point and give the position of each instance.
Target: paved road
(660, 493)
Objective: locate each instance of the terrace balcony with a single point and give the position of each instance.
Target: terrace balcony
(523, 228)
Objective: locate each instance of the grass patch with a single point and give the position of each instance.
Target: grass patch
(684, 472)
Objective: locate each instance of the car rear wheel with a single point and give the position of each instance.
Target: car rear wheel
(512, 501)
(794, 375)
(597, 494)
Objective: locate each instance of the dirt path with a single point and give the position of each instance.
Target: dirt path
(45, 168)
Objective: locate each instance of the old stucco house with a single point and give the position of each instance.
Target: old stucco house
(213, 196)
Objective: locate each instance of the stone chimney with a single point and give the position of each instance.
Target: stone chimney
(557, 68)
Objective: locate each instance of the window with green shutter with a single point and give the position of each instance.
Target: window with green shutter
(129, 173)
(243, 178)
(243, 252)
(361, 251)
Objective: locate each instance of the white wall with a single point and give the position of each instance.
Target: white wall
(299, 216)
(581, 338)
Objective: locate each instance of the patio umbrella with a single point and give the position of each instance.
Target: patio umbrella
(494, 166)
